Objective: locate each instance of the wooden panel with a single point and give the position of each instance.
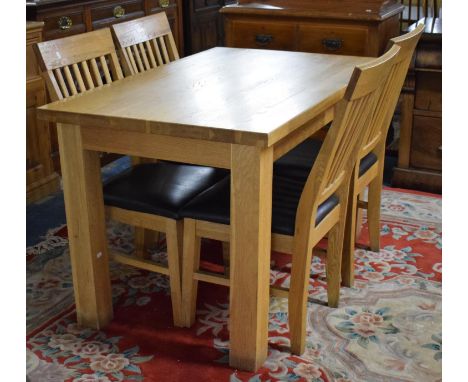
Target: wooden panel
(103, 15)
(429, 91)
(160, 6)
(54, 18)
(427, 143)
(41, 180)
(333, 38)
(263, 34)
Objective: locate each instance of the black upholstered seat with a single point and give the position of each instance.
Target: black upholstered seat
(160, 188)
(213, 204)
(298, 162)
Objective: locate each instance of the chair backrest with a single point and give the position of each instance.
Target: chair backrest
(75, 64)
(388, 100)
(418, 9)
(145, 43)
(353, 116)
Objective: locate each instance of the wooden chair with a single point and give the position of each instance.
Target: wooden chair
(145, 43)
(304, 210)
(79, 63)
(147, 196)
(374, 150)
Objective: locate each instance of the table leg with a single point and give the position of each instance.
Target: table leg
(251, 195)
(81, 172)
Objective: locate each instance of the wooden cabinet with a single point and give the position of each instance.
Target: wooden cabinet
(63, 18)
(66, 17)
(420, 145)
(41, 179)
(349, 27)
(203, 24)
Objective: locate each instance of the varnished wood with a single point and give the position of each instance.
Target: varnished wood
(331, 174)
(251, 193)
(214, 108)
(96, 49)
(64, 54)
(86, 229)
(254, 109)
(88, 15)
(41, 179)
(421, 115)
(374, 141)
(348, 27)
(140, 41)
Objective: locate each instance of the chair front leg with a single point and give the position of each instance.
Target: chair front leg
(191, 264)
(174, 237)
(298, 293)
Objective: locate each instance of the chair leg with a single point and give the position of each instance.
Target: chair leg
(347, 269)
(334, 255)
(143, 240)
(298, 293)
(191, 263)
(373, 213)
(174, 237)
(226, 260)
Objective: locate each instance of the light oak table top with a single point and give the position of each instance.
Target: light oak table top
(243, 96)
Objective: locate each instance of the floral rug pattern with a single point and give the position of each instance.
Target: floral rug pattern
(386, 328)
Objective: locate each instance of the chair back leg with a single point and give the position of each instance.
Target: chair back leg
(347, 269)
(174, 236)
(191, 263)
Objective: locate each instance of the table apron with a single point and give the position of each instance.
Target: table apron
(146, 145)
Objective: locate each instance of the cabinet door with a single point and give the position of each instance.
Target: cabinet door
(426, 143)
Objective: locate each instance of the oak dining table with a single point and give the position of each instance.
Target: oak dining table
(238, 109)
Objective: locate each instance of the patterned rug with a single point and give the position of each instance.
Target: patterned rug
(387, 328)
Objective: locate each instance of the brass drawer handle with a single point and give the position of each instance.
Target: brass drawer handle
(64, 22)
(163, 3)
(332, 43)
(119, 11)
(263, 39)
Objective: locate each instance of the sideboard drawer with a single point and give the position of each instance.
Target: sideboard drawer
(104, 15)
(65, 22)
(160, 5)
(264, 35)
(336, 39)
(426, 143)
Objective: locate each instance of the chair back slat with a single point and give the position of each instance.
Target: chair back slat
(145, 43)
(155, 45)
(87, 74)
(353, 116)
(375, 136)
(66, 63)
(150, 54)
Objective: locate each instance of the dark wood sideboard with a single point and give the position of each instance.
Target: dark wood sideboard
(41, 179)
(351, 27)
(420, 144)
(61, 18)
